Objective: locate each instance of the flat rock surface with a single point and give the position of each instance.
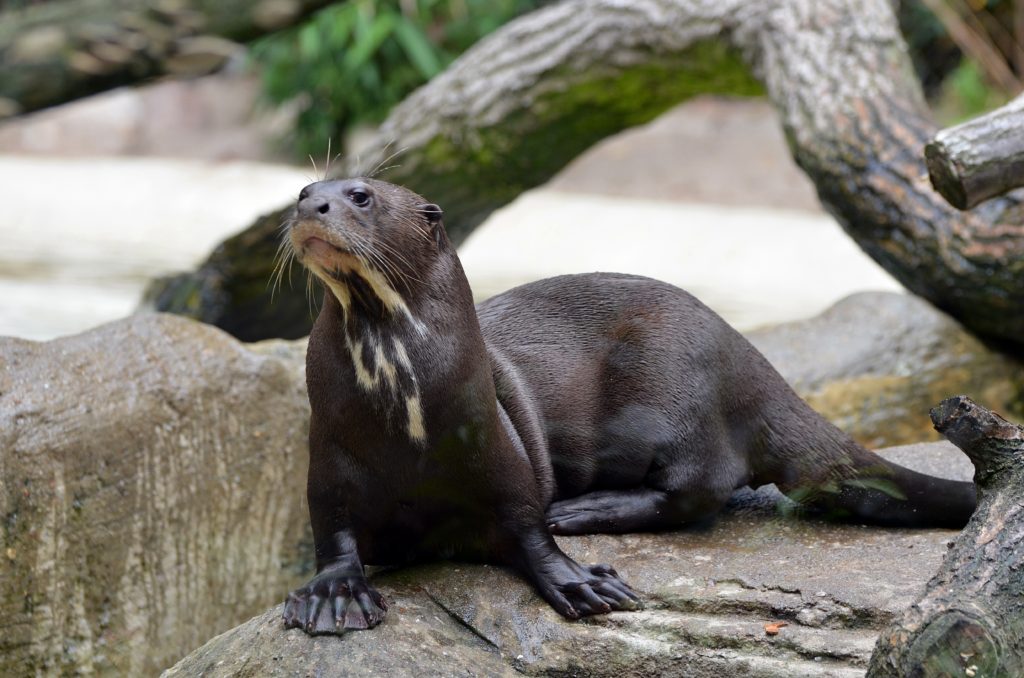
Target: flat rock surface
(708, 593)
(153, 474)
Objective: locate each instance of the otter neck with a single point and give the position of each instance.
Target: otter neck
(367, 297)
(393, 341)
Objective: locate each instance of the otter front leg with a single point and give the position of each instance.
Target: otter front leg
(574, 590)
(338, 598)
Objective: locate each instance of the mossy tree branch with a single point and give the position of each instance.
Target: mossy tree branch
(837, 71)
(476, 151)
(525, 101)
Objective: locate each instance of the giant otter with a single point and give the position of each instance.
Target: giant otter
(577, 404)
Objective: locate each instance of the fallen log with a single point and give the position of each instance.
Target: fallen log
(970, 621)
(54, 52)
(530, 97)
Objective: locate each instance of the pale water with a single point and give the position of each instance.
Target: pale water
(79, 239)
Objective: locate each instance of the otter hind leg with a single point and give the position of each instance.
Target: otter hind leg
(634, 510)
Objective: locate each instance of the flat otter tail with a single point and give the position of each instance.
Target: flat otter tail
(821, 467)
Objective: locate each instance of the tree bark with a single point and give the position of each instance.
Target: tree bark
(525, 101)
(970, 621)
(58, 51)
(979, 159)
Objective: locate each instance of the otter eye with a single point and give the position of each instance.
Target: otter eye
(303, 194)
(359, 198)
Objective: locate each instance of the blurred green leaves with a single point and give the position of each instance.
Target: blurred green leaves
(353, 61)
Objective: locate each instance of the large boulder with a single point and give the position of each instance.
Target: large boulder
(709, 594)
(152, 476)
(876, 362)
(152, 484)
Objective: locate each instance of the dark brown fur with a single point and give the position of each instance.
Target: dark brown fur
(591, 403)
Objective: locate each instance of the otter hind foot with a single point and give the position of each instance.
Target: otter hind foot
(608, 511)
(333, 602)
(636, 510)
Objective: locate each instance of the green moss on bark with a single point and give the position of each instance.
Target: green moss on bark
(470, 176)
(470, 179)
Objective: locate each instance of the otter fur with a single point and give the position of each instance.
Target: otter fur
(577, 404)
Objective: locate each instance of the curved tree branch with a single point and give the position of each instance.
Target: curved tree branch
(521, 104)
(525, 101)
(838, 72)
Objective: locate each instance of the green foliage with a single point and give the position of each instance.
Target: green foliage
(968, 84)
(966, 94)
(353, 61)
(957, 85)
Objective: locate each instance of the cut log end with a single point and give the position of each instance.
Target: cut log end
(979, 159)
(961, 418)
(944, 175)
(954, 644)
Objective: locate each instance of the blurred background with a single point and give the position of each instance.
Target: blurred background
(109, 191)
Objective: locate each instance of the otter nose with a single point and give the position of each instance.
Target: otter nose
(311, 206)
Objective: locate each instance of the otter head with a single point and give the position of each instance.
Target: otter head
(370, 242)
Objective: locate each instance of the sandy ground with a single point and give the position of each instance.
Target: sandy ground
(706, 198)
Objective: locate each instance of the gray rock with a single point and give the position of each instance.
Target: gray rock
(709, 593)
(152, 476)
(875, 363)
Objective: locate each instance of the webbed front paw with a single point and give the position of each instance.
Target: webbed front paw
(333, 602)
(576, 590)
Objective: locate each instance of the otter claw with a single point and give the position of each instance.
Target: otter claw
(575, 590)
(334, 602)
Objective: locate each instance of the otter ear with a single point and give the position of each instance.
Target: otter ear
(433, 215)
(432, 212)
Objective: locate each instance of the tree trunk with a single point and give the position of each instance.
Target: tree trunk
(525, 101)
(970, 621)
(979, 159)
(59, 51)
